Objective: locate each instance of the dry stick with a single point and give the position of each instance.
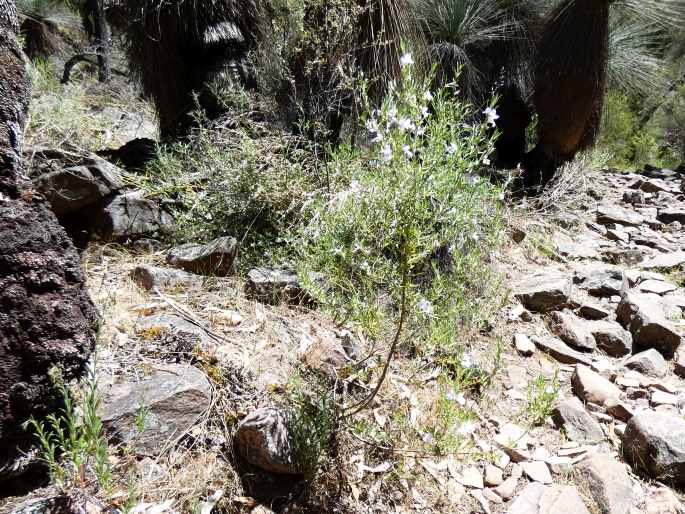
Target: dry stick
(403, 312)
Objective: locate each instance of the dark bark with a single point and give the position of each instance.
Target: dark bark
(97, 28)
(47, 320)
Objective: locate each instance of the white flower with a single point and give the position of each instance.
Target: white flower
(467, 427)
(501, 197)
(456, 397)
(427, 96)
(407, 151)
(405, 124)
(491, 115)
(549, 389)
(372, 125)
(425, 306)
(377, 138)
(486, 161)
(420, 130)
(392, 112)
(386, 153)
(451, 148)
(424, 112)
(406, 60)
(466, 361)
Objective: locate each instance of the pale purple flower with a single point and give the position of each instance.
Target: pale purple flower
(486, 161)
(428, 96)
(425, 306)
(386, 153)
(491, 115)
(451, 148)
(424, 112)
(405, 124)
(466, 428)
(407, 151)
(406, 60)
(466, 361)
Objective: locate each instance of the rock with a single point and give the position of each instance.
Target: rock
(600, 280)
(612, 338)
(656, 287)
(663, 398)
(650, 362)
(593, 312)
(47, 319)
(471, 477)
(572, 330)
(507, 489)
(150, 326)
(614, 215)
(518, 235)
(608, 482)
(273, 286)
(325, 353)
(618, 235)
(544, 293)
(625, 256)
(53, 500)
(669, 216)
(561, 351)
(654, 443)
(218, 257)
(146, 245)
(493, 476)
(537, 471)
(524, 345)
(576, 422)
(537, 498)
(263, 440)
(172, 399)
(646, 320)
(127, 216)
(661, 500)
(520, 313)
(583, 249)
(70, 181)
(592, 387)
(665, 261)
(150, 277)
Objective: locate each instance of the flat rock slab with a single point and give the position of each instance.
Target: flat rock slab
(170, 323)
(600, 280)
(656, 287)
(537, 498)
(665, 261)
(544, 293)
(150, 277)
(561, 351)
(218, 257)
(615, 215)
(654, 443)
(578, 425)
(650, 362)
(537, 471)
(612, 338)
(574, 331)
(646, 320)
(608, 482)
(168, 403)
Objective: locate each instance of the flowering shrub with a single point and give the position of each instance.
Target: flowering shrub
(402, 232)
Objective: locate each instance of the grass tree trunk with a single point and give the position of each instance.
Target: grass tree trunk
(100, 34)
(47, 320)
(570, 81)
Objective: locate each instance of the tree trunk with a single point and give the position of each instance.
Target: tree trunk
(98, 30)
(47, 320)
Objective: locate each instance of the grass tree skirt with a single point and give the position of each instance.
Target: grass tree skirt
(47, 320)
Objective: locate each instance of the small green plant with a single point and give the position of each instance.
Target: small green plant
(542, 397)
(141, 417)
(73, 442)
(310, 417)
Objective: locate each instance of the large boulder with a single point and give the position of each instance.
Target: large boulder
(47, 320)
(70, 181)
(157, 410)
(573, 330)
(577, 424)
(218, 257)
(654, 442)
(612, 338)
(274, 285)
(608, 482)
(646, 320)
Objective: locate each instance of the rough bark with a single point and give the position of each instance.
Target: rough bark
(47, 320)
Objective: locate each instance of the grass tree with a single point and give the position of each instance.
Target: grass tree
(181, 50)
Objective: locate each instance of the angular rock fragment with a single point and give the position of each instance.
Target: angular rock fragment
(150, 277)
(218, 257)
(573, 330)
(608, 482)
(578, 425)
(544, 293)
(650, 362)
